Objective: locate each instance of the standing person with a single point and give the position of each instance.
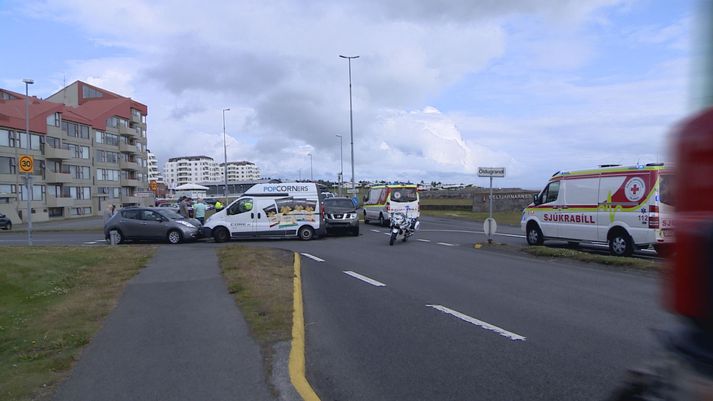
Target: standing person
(183, 207)
(218, 206)
(108, 212)
(199, 210)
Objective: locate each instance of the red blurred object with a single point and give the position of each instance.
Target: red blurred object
(689, 289)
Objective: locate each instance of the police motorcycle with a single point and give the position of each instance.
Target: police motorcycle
(402, 224)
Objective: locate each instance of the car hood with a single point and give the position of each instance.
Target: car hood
(339, 210)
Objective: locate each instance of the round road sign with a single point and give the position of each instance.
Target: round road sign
(26, 164)
(490, 226)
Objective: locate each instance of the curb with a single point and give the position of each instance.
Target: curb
(297, 353)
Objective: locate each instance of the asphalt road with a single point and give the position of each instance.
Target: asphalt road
(446, 321)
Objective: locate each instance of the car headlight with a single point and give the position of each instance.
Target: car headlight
(185, 223)
(352, 215)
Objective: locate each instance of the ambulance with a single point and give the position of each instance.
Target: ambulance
(627, 208)
(283, 210)
(382, 200)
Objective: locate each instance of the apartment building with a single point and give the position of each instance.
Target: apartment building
(189, 170)
(153, 170)
(89, 151)
(240, 171)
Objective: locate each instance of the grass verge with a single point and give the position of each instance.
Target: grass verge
(52, 302)
(260, 280)
(510, 218)
(543, 251)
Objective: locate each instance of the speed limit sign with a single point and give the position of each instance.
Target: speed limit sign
(26, 164)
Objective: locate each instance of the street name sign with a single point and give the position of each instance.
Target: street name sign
(491, 171)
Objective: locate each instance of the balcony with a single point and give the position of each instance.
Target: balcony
(52, 178)
(54, 201)
(127, 165)
(55, 131)
(126, 148)
(129, 182)
(128, 131)
(57, 154)
(136, 118)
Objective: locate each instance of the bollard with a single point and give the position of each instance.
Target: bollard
(113, 237)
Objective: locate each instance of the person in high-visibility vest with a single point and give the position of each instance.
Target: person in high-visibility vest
(218, 206)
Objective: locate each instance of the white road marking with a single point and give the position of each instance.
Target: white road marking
(90, 243)
(312, 257)
(387, 233)
(445, 244)
(423, 240)
(375, 231)
(479, 323)
(365, 279)
(473, 232)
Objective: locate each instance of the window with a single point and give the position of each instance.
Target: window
(149, 215)
(89, 92)
(80, 152)
(75, 130)
(403, 195)
(551, 192)
(53, 142)
(7, 165)
(38, 192)
(6, 138)
(6, 96)
(76, 192)
(54, 119)
(80, 211)
(131, 214)
(7, 189)
(241, 206)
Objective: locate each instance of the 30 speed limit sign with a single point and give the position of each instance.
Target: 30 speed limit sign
(26, 164)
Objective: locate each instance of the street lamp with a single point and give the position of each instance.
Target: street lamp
(28, 177)
(351, 123)
(225, 159)
(341, 161)
(311, 177)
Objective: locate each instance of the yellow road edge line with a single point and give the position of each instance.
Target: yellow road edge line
(297, 352)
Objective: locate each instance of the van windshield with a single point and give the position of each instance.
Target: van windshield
(403, 195)
(666, 189)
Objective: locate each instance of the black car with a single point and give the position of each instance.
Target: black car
(5, 222)
(341, 214)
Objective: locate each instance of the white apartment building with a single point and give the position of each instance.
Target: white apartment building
(240, 171)
(154, 173)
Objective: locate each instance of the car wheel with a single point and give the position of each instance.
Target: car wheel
(355, 232)
(366, 221)
(305, 233)
(174, 237)
(220, 234)
(620, 244)
(8, 227)
(534, 235)
(392, 238)
(382, 222)
(118, 234)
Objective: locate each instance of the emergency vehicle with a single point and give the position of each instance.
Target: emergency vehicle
(283, 210)
(626, 207)
(382, 200)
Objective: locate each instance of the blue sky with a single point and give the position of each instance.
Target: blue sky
(440, 88)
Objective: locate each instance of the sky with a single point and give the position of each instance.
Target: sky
(440, 87)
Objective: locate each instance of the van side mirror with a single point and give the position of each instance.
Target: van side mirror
(536, 199)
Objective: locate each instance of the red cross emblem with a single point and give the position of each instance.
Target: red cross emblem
(635, 189)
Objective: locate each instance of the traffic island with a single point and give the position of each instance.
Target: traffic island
(548, 252)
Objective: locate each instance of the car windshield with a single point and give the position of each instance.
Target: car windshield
(340, 203)
(168, 213)
(403, 195)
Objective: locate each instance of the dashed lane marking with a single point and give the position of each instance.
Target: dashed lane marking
(307, 255)
(365, 279)
(445, 244)
(479, 323)
(375, 231)
(423, 240)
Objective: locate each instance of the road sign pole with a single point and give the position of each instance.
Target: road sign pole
(490, 229)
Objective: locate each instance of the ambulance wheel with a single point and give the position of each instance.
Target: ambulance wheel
(366, 221)
(620, 244)
(220, 234)
(534, 235)
(306, 233)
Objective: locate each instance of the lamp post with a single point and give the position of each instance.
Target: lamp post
(341, 162)
(28, 177)
(311, 177)
(225, 159)
(351, 123)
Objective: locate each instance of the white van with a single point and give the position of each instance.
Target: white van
(292, 209)
(626, 207)
(382, 200)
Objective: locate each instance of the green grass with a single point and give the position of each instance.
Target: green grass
(52, 302)
(446, 201)
(543, 251)
(510, 218)
(260, 280)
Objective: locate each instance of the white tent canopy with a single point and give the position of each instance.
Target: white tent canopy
(191, 187)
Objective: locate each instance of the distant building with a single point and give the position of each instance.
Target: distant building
(89, 151)
(240, 171)
(203, 169)
(153, 171)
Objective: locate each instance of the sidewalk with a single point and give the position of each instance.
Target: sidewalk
(176, 334)
(95, 223)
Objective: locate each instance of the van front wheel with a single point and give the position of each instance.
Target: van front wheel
(534, 235)
(220, 234)
(620, 244)
(306, 233)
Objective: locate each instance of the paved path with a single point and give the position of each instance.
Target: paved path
(176, 334)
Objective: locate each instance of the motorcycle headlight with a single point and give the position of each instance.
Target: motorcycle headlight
(398, 218)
